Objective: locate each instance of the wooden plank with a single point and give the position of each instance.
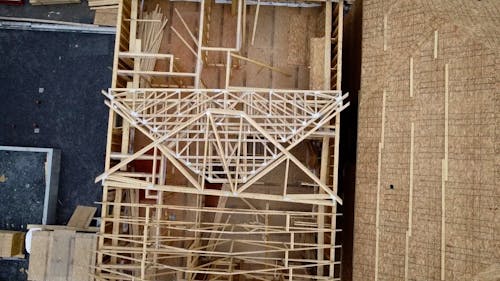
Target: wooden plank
(39, 255)
(53, 2)
(94, 3)
(262, 64)
(82, 216)
(321, 209)
(60, 251)
(11, 243)
(106, 17)
(107, 7)
(46, 21)
(63, 227)
(83, 259)
(255, 20)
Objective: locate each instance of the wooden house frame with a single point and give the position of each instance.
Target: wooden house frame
(208, 180)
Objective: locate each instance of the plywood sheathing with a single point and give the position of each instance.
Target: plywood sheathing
(317, 59)
(453, 216)
(106, 17)
(297, 38)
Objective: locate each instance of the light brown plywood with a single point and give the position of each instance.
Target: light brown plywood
(426, 61)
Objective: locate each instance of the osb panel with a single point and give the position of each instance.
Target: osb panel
(467, 41)
(317, 59)
(297, 40)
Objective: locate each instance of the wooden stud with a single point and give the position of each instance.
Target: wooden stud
(255, 20)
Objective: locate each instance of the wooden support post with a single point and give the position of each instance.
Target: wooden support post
(287, 227)
(228, 69)
(199, 60)
(134, 46)
(145, 235)
(336, 152)
(255, 20)
(328, 45)
(244, 22)
(340, 39)
(325, 151)
(285, 179)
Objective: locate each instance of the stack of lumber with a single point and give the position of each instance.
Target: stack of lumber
(53, 2)
(150, 32)
(11, 244)
(60, 253)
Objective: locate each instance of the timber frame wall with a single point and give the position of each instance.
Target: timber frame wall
(206, 180)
